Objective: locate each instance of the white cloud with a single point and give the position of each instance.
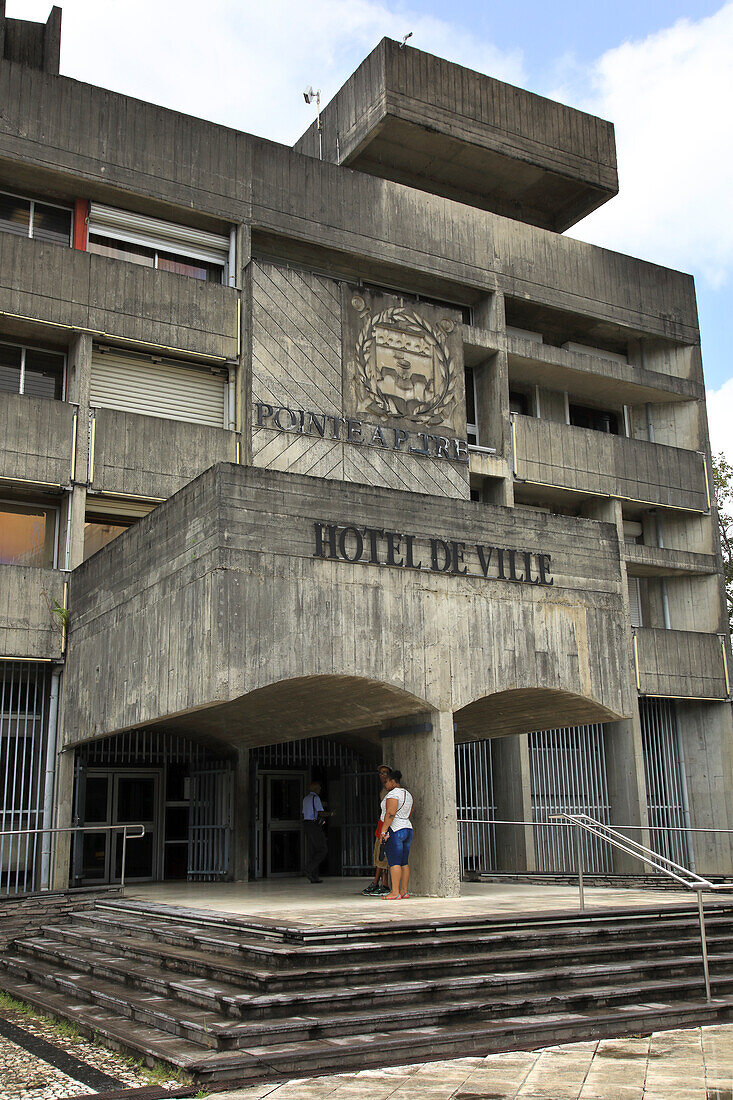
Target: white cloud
(720, 419)
(670, 98)
(245, 62)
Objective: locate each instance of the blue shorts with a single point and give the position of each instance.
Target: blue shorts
(397, 848)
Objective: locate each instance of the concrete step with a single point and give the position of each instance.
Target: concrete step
(342, 969)
(227, 997)
(209, 1028)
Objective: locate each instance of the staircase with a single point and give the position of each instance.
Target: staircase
(234, 1001)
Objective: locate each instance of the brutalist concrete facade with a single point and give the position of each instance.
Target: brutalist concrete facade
(458, 454)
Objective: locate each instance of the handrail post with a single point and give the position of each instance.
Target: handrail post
(579, 858)
(703, 943)
(124, 857)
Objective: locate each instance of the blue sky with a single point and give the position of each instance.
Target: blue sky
(661, 70)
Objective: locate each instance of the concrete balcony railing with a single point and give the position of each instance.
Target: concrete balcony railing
(550, 453)
(681, 664)
(148, 456)
(27, 627)
(664, 561)
(37, 437)
(117, 299)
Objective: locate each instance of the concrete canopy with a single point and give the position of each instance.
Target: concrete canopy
(218, 612)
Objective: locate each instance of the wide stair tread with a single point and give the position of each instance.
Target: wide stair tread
(210, 1028)
(208, 963)
(229, 999)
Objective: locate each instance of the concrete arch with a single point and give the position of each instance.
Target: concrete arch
(303, 706)
(522, 710)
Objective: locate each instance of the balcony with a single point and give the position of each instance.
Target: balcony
(37, 438)
(27, 628)
(147, 456)
(657, 561)
(586, 461)
(680, 664)
(114, 298)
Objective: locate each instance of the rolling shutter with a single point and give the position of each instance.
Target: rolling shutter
(169, 390)
(123, 225)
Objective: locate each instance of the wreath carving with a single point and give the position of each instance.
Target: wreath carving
(430, 401)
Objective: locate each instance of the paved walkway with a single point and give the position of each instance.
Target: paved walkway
(695, 1064)
(338, 901)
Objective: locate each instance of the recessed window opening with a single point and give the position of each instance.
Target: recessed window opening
(518, 402)
(165, 246)
(28, 534)
(412, 296)
(32, 371)
(99, 531)
(472, 435)
(598, 420)
(43, 221)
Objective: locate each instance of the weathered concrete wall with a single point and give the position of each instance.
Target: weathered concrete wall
(37, 439)
(149, 456)
(549, 453)
(217, 595)
(27, 627)
(681, 663)
(707, 743)
(78, 290)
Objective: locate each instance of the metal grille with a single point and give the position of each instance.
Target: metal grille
(666, 790)
(568, 774)
(360, 792)
(151, 747)
(308, 751)
(475, 802)
(24, 697)
(210, 824)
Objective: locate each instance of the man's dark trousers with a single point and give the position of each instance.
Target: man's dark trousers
(316, 848)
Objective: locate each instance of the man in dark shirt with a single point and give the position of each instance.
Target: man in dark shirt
(316, 848)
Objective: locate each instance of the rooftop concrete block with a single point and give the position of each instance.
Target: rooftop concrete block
(407, 116)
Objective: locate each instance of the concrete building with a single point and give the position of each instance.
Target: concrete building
(317, 456)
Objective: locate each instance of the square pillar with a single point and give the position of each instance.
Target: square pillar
(427, 762)
(240, 818)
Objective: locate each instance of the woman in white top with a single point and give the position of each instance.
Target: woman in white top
(397, 832)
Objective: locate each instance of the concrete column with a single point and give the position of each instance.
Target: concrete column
(427, 763)
(515, 849)
(242, 809)
(627, 787)
(60, 866)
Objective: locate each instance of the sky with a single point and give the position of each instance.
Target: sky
(660, 70)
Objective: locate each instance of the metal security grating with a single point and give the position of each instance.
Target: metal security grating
(568, 774)
(665, 781)
(308, 751)
(210, 826)
(360, 792)
(149, 747)
(475, 806)
(24, 699)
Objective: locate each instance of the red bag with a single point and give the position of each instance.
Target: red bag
(378, 830)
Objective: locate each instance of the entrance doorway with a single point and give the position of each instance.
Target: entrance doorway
(119, 797)
(279, 827)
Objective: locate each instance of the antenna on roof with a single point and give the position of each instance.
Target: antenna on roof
(309, 95)
(402, 43)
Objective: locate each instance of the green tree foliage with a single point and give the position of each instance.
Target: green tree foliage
(723, 478)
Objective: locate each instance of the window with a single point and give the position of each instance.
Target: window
(31, 371)
(634, 585)
(123, 235)
(99, 533)
(30, 218)
(471, 406)
(599, 420)
(518, 402)
(27, 534)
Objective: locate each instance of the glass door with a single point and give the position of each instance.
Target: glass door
(284, 793)
(117, 797)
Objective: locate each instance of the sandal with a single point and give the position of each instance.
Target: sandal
(403, 896)
(386, 897)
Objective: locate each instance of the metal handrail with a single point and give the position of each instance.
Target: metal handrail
(127, 834)
(690, 879)
(610, 835)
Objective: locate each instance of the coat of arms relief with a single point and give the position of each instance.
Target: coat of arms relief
(403, 362)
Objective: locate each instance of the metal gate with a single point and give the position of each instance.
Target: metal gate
(475, 806)
(360, 808)
(210, 824)
(666, 788)
(568, 774)
(24, 698)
